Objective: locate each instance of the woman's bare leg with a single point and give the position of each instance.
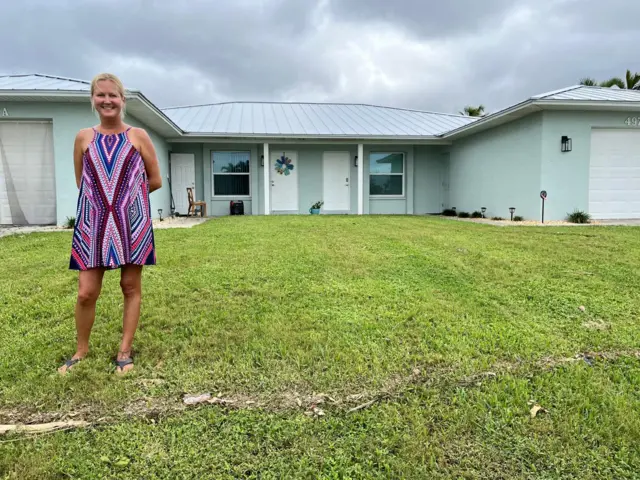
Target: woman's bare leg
(131, 284)
(89, 287)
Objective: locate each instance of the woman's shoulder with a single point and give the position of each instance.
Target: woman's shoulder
(84, 137)
(85, 132)
(138, 137)
(137, 131)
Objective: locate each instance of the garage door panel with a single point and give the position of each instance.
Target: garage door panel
(614, 174)
(621, 186)
(602, 173)
(27, 176)
(606, 196)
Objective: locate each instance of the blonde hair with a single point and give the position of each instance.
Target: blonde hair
(119, 87)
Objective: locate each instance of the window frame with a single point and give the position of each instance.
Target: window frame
(214, 173)
(404, 171)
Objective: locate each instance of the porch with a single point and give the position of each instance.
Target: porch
(288, 178)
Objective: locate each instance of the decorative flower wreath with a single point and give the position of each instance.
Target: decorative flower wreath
(284, 165)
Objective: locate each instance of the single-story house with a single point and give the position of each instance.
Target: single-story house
(580, 144)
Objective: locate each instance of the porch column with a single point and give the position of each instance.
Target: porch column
(360, 179)
(267, 180)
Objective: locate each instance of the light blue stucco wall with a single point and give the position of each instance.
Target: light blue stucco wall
(498, 169)
(68, 119)
(565, 176)
(431, 177)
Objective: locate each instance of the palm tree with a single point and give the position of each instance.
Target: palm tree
(588, 82)
(631, 82)
(473, 111)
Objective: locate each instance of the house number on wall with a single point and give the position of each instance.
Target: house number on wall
(633, 121)
(5, 113)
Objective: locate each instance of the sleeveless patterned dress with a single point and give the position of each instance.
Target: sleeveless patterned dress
(113, 215)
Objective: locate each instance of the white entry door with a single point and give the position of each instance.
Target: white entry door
(336, 181)
(284, 181)
(614, 174)
(27, 174)
(183, 175)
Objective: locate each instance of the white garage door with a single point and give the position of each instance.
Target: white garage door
(27, 178)
(614, 174)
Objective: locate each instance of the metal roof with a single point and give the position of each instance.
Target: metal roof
(577, 97)
(585, 93)
(37, 81)
(311, 119)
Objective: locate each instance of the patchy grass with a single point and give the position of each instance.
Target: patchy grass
(269, 308)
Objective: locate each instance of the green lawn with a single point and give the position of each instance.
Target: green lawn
(449, 331)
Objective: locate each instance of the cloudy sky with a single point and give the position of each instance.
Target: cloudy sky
(423, 54)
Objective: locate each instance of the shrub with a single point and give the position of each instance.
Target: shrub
(518, 218)
(578, 216)
(449, 212)
(499, 219)
(70, 223)
(476, 214)
(463, 215)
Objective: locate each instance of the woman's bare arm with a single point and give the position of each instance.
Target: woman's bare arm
(151, 164)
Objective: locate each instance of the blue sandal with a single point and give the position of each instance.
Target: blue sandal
(123, 363)
(70, 363)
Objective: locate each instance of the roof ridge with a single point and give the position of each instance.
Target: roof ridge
(312, 103)
(555, 92)
(57, 77)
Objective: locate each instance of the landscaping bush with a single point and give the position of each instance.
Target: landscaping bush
(463, 215)
(476, 214)
(499, 219)
(578, 216)
(70, 223)
(449, 212)
(518, 218)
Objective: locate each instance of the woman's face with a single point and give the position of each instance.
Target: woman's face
(107, 100)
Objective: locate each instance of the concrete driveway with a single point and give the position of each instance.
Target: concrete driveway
(629, 222)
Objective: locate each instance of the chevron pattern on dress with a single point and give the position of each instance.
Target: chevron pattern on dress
(113, 216)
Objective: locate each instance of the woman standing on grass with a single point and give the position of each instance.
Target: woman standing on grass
(116, 168)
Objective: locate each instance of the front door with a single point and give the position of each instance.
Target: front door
(336, 180)
(284, 181)
(183, 175)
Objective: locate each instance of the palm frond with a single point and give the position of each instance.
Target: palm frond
(633, 80)
(474, 111)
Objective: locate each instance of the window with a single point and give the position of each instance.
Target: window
(230, 174)
(386, 174)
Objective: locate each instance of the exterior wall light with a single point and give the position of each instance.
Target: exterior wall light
(567, 144)
(355, 161)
